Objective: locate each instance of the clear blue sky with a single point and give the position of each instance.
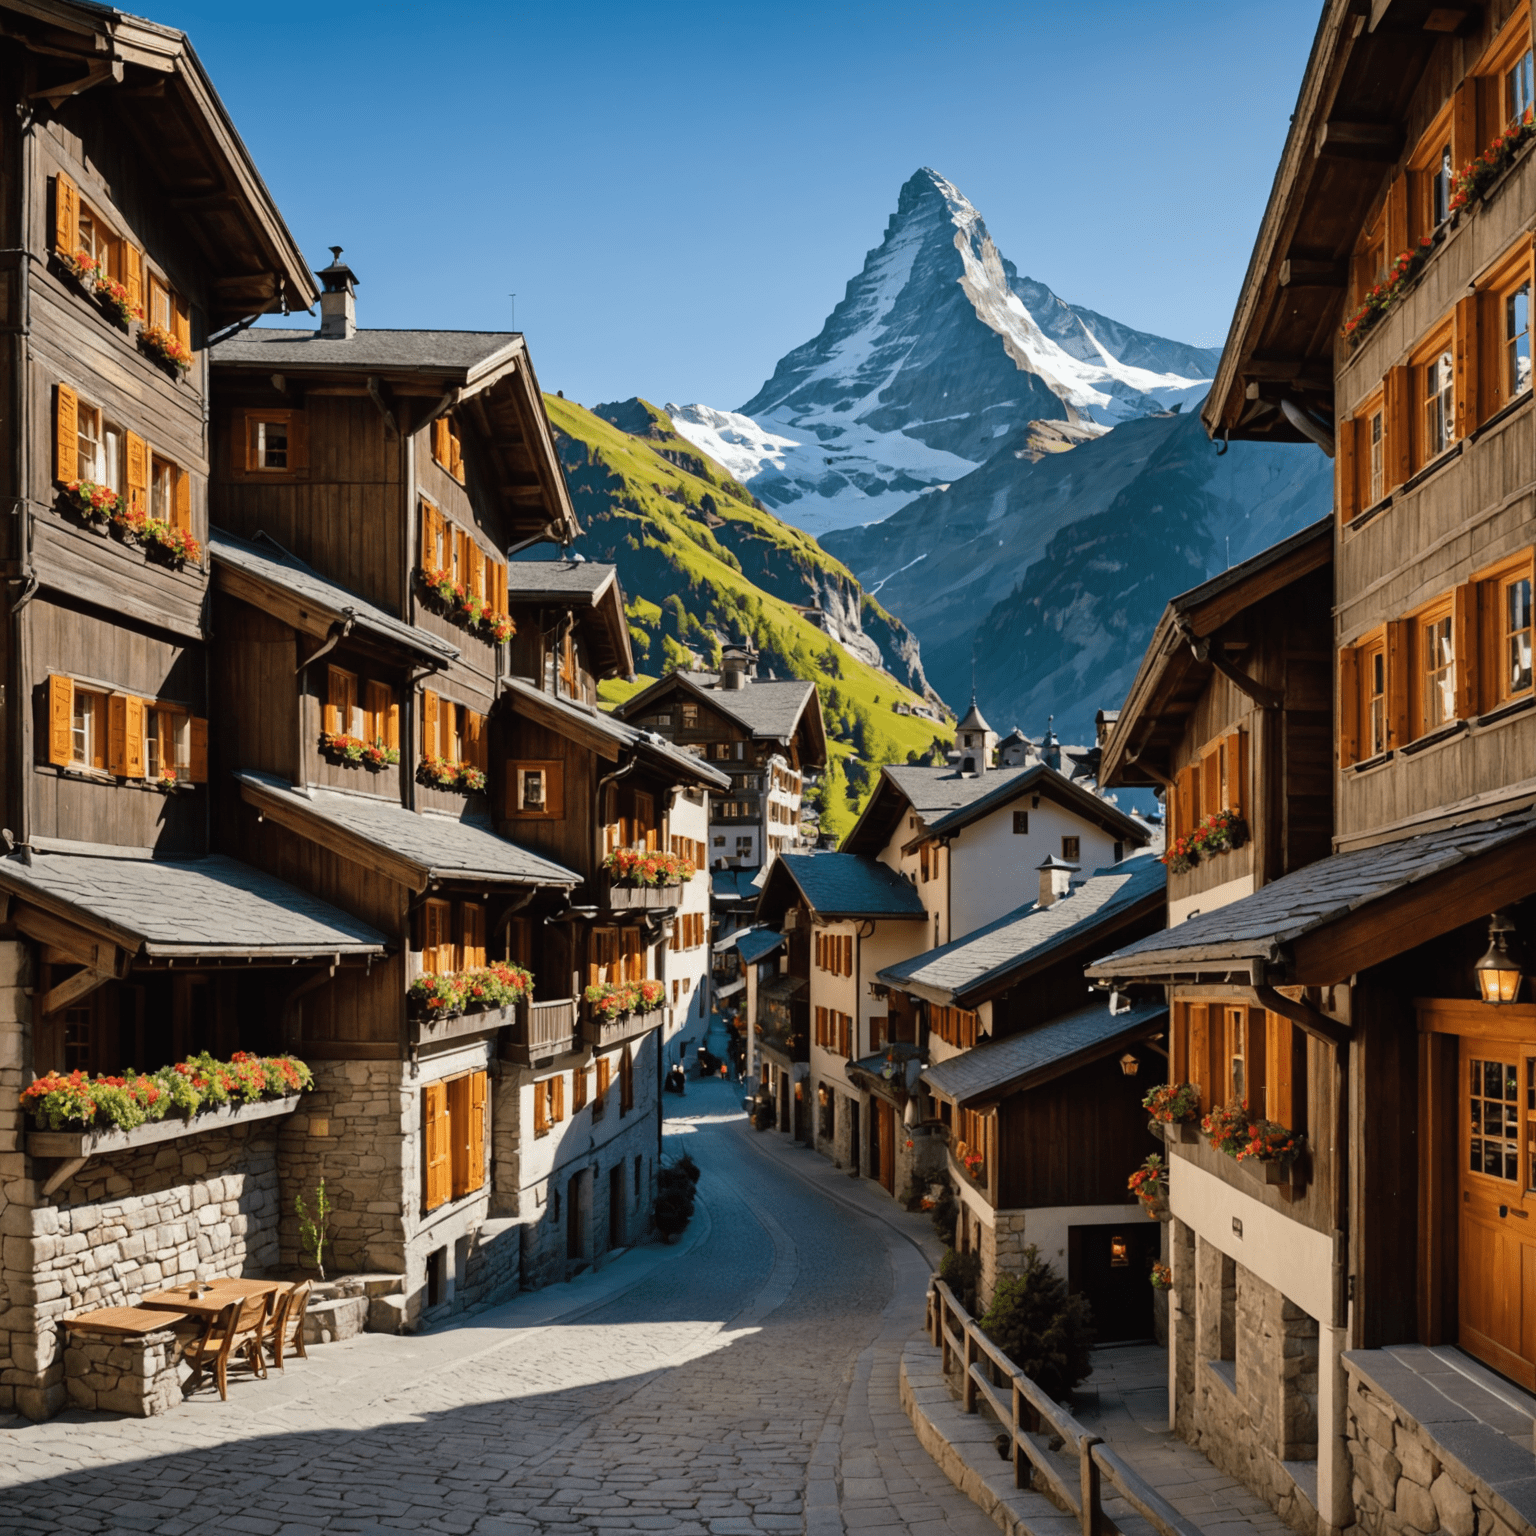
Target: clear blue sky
(678, 194)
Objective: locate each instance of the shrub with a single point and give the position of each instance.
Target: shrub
(1044, 1330)
(946, 1214)
(961, 1272)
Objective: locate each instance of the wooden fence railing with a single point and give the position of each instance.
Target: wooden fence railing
(1033, 1419)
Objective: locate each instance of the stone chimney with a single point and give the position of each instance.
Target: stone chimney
(1055, 879)
(738, 666)
(338, 299)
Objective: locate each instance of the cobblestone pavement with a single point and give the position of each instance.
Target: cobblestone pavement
(741, 1381)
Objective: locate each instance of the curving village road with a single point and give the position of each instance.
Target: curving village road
(741, 1381)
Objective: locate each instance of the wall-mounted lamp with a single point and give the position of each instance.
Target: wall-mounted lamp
(1129, 1065)
(1119, 1253)
(1498, 973)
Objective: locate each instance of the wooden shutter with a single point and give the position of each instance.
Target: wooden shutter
(1464, 636)
(1464, 136)
(474, 742)
(1349, 706)
(440, 440)
(181, 514)
(1237, 772)
(133, 722)
(557, 1085)
(1468, 414)
(478, 1084)
(335, 701)
(1346, 473)
(472, 922)
(499, 571)
(181, 321)
(1397, 219)
(136, 470)
(1200, 1054)
(1278, 1049)
(117, 735)
(428, 535)
(1187, 784)
(476, 569)
(434, 1100)
(197, 751)
(66, 435)
(458, 1135)
(604, 1077)
(66, 215)
(133, 277)
(428, 723)
(461, 547)
(61, 719)
(1397, 457)
(541, 1109)
(1210, 782)
(1399, 682)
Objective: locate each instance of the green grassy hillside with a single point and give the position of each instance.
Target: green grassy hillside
(700, 559)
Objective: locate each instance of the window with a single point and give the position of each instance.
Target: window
(341, 712)
(1021, 822)
(471, 936)
(922, 860)
(1514, 617)
(1437, 409)
(690, 717)
(446, 447)
(1441, 186)
(95, 241)
(1071, 849)
(1517, 341)
(1494, 1098)
(453, 1138)
(1376, 468)
(954, 1026)
(167, 741)
(1519, 88)
(536, 790)
(439, 954)
(603, 957)
(1437, 671)
(276, 442)
(381, 716)
(1373, 674)
(88, 729)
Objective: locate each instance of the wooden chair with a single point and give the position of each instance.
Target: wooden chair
(287, 1330)
(239, 1327)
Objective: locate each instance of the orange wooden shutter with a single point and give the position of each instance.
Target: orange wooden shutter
(335, 702)
(1185, 782)
(1346, 471)
(66, 215)
(66, 439)
(540, 1109)
(1349, 706)
(1397, 219)
(429, 725)
(181, 321)
(1237, 772)
(434, 1099)
(458, 1136)
(1399, 682)
(136, 470)
(554, 791)
(181, 515)
(61, 719)
(1199, 1066)
(1398, 454)
(133, 278)
(1464, 137)
(117, 735)
(474, 936)
(474, 738)
(478, 1084)
(1468, 415)
(428, 535)
(559, 1092)
(392, 723)
(501, 586)
(133, 737)
(604, 1077)
(1464, 633)
(440, 440)
(197, 751)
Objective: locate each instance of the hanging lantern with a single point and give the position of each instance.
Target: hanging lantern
(1498, 973)
(1129, 1065)
(1119, 1253)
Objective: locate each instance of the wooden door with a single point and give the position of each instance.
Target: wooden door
(1497, 1248)
(885, 1131)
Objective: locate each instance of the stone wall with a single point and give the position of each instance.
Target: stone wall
(18, 1191)
(1248, 1399)
(113, 1374)
(1401, 1484)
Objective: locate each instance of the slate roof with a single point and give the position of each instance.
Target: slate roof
(1259, 927)
(620, 732)
(850, 885)
(436, 845)
(768, 708)
(531, 580)
(208, 907)
(458, 354)
(974, 719)
(266, 560)
(1008, 1065)
(733, 885)
(967, 967)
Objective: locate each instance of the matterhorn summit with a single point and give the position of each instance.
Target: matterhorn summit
(937, 354)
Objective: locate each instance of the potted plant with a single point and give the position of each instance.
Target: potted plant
(1174, 1108)
(95, 503)
(377, 756)
(1150, 1186)
(1227, 1127)
(1271, 1148)
(167, 349)
(340, 747)
(1181, 856)
(1161, 1277)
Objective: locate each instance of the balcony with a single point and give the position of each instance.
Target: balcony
(639, 898)
(787, 1047)
(604, 1033)
(540, 1031)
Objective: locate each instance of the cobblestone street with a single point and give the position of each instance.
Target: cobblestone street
(739, 1381)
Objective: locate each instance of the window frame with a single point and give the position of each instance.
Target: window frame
(1369, 652)
(1441, 611)
(552, 807)
(1491, 586)
(1436, 350)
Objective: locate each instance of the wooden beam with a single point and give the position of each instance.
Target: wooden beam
(1307, 372)
(317, 829)
(82, 946)
(71, 990)
(1381, 142)
(1300, 272)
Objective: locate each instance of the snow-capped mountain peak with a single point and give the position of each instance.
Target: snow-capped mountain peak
(936, 353)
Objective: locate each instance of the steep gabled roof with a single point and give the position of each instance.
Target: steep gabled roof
(411, 847)
(605, 734)
(261, 572)
(209, 908)
(592, 591)
(177, 130)
(1320, 923)
(996, 1068)
(945, 800)
(981, 964)
(771, 710)
(1172, 678)
(838, 885)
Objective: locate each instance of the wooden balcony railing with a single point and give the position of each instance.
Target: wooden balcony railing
(540, 1030)
(1032, 1420)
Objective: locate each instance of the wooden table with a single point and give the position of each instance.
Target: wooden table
(128, 1322)
(214, 1297)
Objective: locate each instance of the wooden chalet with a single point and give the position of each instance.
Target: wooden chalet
(1353, 1336)
(1036, 1096)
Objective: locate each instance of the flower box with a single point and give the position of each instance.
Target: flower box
(167, 349)
(461, 778)
(634, 898)
(456, 603)
(83, 1144)
(1186, 1134)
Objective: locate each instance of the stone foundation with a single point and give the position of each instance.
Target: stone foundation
(113, 1374)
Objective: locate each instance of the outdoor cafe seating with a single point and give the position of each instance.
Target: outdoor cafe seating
(128, 1359)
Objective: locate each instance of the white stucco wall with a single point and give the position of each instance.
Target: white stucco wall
(689, 1018)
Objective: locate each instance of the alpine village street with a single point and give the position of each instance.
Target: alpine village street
(497, 1040)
